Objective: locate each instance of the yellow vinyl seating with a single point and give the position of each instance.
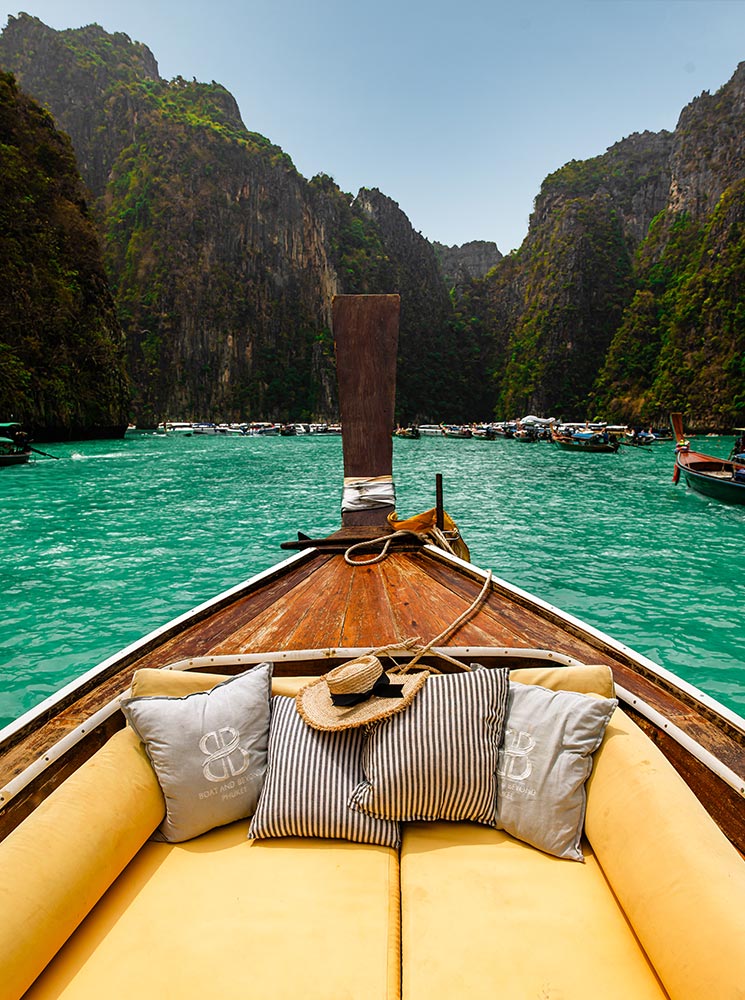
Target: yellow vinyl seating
(91, 907)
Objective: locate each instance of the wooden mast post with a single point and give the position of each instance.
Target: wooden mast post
(439, 503)
(366, 337)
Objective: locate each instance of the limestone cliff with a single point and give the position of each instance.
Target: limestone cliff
(61, 347)
(459, 264)
(681, 344)
(708, 154)
(429, 355)
(624, 300)
(554, 305)
(222, 257)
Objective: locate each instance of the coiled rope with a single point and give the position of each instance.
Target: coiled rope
(383, 554)
(446, 632)
(433, 534)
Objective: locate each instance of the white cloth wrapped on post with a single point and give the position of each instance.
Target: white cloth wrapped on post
(361, 493)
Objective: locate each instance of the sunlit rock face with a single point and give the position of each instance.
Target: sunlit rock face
(222, 258)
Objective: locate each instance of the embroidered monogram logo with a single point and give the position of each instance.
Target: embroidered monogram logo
(514, 761)
(225, 758)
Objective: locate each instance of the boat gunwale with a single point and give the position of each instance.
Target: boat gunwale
(724, 489)
(675, 684)
(352, 652)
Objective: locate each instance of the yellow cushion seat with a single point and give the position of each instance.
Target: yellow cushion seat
(679, 880)
(484, 915)
(224, 916)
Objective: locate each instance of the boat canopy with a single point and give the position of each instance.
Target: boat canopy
(540, 421)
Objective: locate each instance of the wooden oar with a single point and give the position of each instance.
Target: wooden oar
(44, 453)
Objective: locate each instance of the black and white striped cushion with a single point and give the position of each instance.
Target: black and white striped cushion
(438, 759)
(310, 776)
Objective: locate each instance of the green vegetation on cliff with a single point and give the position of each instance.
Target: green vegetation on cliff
(222, 258)
(625, 299)
(61, 348)
(552, 308)
(681, 345)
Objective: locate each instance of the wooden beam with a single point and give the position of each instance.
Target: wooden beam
(366, 338)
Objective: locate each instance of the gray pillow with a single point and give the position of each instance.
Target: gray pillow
(208, 751)
(438, 758)
(310, 777)
(545, 760)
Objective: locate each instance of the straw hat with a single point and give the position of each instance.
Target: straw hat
(356, 693)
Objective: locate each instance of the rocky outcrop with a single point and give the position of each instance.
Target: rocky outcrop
(681, 343)
(70, 73)
(460, 264)
(554, 305)
(708, 154)
(61, 346)
(633, 176)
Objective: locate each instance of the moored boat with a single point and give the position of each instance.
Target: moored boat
(591, 440)
(14, 445)
(262, 428)
(737, 454)
(636, 438)
(505, 428)
(717, 478)
(182, 427)
(483, 432)
(324, 428)
(88, 900)
(533, 428)
(527, 434)
(456, 431)
(662, 433)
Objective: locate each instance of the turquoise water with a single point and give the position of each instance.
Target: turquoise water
(118, 537)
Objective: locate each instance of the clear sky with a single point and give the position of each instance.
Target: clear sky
(457, 110)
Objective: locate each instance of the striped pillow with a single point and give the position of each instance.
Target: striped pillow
(438, 759)
(310, 776)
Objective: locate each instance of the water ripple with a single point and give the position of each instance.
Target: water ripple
(122, 536)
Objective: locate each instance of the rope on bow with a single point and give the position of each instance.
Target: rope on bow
(414, 642)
